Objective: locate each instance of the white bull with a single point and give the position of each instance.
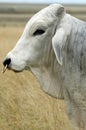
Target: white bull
(53, 48)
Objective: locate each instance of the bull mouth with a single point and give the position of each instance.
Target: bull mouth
(7, 67)
(14, 69)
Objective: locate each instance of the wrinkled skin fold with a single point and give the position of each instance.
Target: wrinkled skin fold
(53, 48)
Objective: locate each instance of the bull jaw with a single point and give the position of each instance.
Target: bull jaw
(48, 81)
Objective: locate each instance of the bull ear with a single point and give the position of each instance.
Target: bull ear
(58, 42)
(57, 9)
(60, 10)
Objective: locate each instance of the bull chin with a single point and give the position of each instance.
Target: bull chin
(17, 70)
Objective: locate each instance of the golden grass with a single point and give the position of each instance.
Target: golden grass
(23, 105)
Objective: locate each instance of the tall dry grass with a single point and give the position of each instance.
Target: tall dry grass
(23, 105)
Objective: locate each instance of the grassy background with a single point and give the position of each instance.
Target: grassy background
(23, 105)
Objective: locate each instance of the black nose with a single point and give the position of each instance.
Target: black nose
(7, 61)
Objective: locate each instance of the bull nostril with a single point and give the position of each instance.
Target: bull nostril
(7, 62)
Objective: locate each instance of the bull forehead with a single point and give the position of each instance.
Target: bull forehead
(44, 17)
(42, 20)
(47, 12)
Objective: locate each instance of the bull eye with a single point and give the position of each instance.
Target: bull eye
(38, 32)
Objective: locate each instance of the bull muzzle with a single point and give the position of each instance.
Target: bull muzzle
(6, 64)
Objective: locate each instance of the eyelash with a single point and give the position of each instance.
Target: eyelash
(38, 32)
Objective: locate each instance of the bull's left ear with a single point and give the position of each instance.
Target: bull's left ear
(58, 43)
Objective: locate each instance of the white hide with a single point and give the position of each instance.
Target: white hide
(53, 48)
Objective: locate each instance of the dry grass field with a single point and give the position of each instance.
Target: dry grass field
(23, 105)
